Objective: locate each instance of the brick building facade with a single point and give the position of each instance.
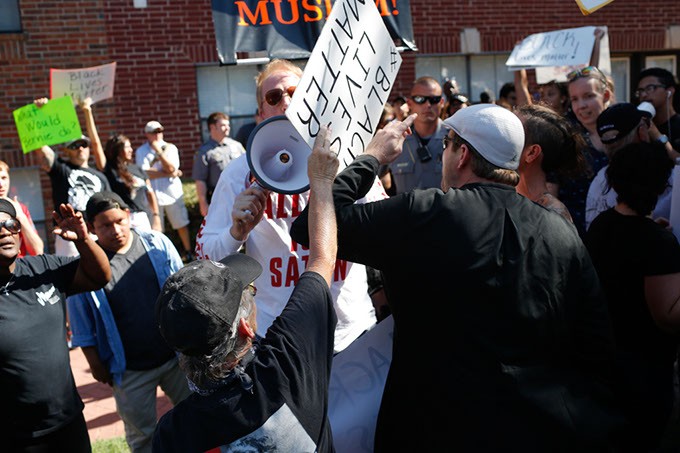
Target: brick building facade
(158, 49)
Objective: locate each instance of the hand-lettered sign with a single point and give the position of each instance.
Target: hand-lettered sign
(569, 47)
(95, 82)
(347, 79)
(55, 122)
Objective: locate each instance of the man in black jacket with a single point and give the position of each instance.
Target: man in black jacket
(501, 340)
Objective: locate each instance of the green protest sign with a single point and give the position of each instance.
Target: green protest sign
(55, 122)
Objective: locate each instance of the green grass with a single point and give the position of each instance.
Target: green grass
(115, 445)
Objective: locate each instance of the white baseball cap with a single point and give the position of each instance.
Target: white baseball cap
(494, 131)
(152, 126)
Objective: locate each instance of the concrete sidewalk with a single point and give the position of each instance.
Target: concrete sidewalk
(102, 419)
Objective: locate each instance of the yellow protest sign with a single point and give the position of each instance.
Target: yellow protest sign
(589, 6)
(55, 122)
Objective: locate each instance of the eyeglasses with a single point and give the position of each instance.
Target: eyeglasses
(273, 97)
(587, 72)
(253, 289)
(648, 89)
(12, 225)
(446, 141)
(418, 99)
(77, 145)
(157, 131)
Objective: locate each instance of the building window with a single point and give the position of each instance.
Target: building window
(10, 19)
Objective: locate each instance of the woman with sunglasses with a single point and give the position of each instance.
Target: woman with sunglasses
(590, 93)
(129, 181)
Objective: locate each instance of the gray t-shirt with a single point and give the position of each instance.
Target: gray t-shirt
(132, 294)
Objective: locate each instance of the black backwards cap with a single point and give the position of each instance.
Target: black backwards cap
(198, 305)
(103, 201)
(616, 121)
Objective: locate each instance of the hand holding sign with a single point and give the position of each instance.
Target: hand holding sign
(55, 122)
(347, 79)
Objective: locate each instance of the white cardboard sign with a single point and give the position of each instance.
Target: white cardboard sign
(357, 382)
(347, 79)
(568, 47)
(95, 82)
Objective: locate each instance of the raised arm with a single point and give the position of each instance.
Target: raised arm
(96, 148)
(93, 270)
(522, 88)
(322, 167)
(46, 153)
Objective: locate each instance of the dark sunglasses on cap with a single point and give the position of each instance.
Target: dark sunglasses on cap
(157, 131)
(78, 144)
(418, 99)
(587, 72)
(12, 225)
(273, 97)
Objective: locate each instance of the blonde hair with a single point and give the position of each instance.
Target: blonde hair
(4, 166)
(276, 65)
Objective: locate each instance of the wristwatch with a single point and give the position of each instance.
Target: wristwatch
(663, 139)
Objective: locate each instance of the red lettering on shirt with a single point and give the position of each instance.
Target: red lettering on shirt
(275, 268)
(292, 272)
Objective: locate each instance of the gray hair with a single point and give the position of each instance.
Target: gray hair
(226, 355)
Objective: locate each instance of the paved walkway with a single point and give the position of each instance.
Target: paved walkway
(102, 419)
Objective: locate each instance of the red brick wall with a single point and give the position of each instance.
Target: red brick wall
(156, 49)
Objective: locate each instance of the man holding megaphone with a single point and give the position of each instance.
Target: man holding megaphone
(247, 215)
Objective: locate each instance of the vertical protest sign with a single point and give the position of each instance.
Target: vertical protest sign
(356, 387)
(95, 82)
(347, 79)
(55, 122)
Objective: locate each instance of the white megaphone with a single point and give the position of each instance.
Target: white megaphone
(277, 156)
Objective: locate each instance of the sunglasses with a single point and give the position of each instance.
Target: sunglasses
(446, 141)
(588, 71)
(157, 131)
(273, 97)
(77, 145)
(648, 89)
(418, 99)
(12, 225)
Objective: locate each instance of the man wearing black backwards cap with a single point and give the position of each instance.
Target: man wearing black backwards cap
(115, 326)
(620, 125)
(40, 409)
(73, 180)
(521, 325)
(266, 396)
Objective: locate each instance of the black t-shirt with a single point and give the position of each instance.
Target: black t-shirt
(132, 293)
(37, 392)
(136, 199)
(624, 250)
(287, 407)
(74, 184)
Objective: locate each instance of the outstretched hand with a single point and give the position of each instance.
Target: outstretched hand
(70, 223)
(323, 163)
(387, 142)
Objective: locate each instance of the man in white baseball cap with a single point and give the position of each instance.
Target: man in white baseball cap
(488, 283)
